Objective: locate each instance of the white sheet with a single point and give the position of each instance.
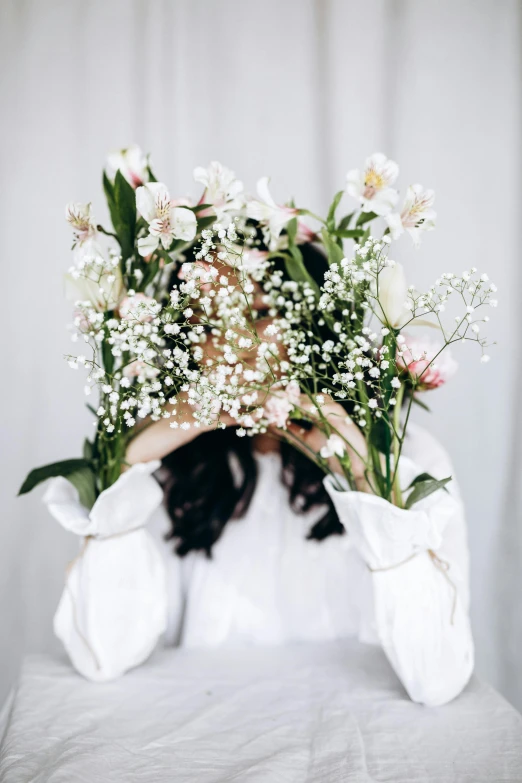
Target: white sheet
(321, 713)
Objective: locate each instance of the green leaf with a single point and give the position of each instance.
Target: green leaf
(294, 264)
(125, 214)
(108, 187)
(364, 236)
(345, 222)
(421, 404)
(84, 482)
(381, 435)
(152, 178)
(330, 219)
(333, 251)
(422, 477)
(163, 254)
(422, 487)
(365, 217)
(201, 207)
(203, 222)
(108, 358)
(64, 468)
(88, 450)
(352, 233)
(151, 271)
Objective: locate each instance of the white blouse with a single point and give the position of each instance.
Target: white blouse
(396, 578)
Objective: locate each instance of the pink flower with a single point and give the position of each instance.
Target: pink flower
(137, 308)
(417, 357)
(280, 404)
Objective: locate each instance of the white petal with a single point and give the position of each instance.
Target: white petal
(388, 168)
(393, 293)
(147, 245)
(184, 223)
(376, 160)
(145, 203)
(147, 196)
(201, 175)
(257, 210)
(278, 220)
(383, 202)
(264, 193)
(394, 223)
(416, 235)
(354, 183)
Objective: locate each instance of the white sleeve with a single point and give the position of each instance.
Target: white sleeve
(114, 605)
(419, 565)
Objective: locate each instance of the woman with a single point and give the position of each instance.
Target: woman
(258, 550)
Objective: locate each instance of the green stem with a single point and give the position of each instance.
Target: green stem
(397, 446)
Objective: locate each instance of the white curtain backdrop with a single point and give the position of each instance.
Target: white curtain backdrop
(302, 91)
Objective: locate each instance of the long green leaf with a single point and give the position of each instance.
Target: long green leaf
(421, 404)
(365, 217)
(334, 253)
(381, 435)
(125, 201)
(63, 468)
(294, 263)
(350, 233)
(204, 222)
(84, 482)
(88, 450)
(151, 272)
(424, 487)
(330, 220)
(345, 222)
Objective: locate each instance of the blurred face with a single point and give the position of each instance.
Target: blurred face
(257, 318)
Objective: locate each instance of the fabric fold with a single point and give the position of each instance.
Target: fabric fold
(114, 605)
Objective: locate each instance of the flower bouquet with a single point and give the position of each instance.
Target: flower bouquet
(233, 310)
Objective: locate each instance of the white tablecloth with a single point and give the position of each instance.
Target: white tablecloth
(321, 713)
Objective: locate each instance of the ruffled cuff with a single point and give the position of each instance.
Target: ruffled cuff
(124, 506)
(384, 535)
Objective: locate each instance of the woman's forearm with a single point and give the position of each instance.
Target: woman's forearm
(419, 566)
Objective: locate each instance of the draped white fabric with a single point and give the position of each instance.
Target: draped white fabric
(299, 90)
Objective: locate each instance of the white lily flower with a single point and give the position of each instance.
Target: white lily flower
(104, 293)
(416, 216)
(86, 247)
(132, 163)
(266, 211)
(166, 221)
(393, 295)
(372, 186)
(222, 189)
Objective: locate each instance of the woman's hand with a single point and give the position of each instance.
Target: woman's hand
(314, 439)
(157, 439)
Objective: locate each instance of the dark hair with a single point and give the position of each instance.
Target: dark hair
(212, 479)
